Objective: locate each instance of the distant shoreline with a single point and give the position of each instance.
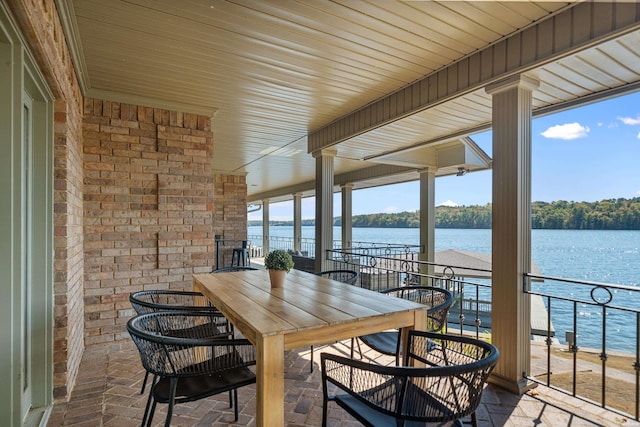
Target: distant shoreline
(278, 224)
(613, 214)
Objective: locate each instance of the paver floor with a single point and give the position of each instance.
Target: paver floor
(107, 393)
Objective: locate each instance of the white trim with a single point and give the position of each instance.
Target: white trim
(72, 35)
(127, 98)
(510, 82)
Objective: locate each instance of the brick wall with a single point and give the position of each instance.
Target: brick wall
(68, 241)
(133, 203)
(148, 208)
(40, 25)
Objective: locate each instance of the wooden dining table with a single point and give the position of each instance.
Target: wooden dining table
(307, 310)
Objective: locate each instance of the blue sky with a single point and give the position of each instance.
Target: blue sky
(585, 154)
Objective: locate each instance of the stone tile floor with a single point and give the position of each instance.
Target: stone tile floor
(107, 393)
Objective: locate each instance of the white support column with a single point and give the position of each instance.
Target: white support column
(324, 205)
(265, 227)
(427, 218)
(297, 221)
(511, 235)
(347, 213)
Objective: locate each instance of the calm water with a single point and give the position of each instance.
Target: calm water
(596, 256)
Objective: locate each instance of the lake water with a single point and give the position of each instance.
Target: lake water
(590, 255)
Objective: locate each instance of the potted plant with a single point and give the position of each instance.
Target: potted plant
(278, 262)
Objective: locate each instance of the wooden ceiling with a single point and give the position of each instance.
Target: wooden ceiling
(272, 73)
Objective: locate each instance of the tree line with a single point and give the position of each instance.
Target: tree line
(612, 214)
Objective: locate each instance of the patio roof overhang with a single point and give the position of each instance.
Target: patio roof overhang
(391, 86)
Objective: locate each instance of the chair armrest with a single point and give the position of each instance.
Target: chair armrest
(210, 356)
(377, 386)
(449, 388)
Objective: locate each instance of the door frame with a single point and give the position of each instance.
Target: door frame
(19, 75)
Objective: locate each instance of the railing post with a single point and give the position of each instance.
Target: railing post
(603, 355)
(636, 366)
(217, 238)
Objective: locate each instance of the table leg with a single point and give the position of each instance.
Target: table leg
(270, 381)
(419, 324)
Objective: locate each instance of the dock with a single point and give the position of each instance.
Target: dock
(539, 317)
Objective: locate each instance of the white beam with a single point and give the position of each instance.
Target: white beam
(265, 226)
(427, 218)
(347, 213)
(324, 206)
(297, 221)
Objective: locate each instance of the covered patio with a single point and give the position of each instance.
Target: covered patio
(135, 133)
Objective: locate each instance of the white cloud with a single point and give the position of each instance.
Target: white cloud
(638, 135)
(391, 209)
(567, 131)
(630, 121)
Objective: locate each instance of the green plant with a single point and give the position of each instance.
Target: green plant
(278, 259)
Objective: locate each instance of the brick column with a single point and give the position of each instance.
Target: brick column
(230, 211)
(148, 208)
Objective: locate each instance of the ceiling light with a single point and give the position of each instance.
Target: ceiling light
(462, 171)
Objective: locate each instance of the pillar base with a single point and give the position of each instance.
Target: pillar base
(517, 387)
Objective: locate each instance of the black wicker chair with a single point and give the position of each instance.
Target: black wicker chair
(189, 369)
(447, 389)
(439, 302)
(350, 277)
(144, 302)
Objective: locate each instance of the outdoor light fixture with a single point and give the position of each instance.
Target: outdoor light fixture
(462, 171)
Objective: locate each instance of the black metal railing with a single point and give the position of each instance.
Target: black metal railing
(308, 248)
(387, 266)
(602, 339)
(307, 245)
(601, 321)
(383, 266)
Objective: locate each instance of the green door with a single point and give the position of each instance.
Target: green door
(26, 234)
(27, 239)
